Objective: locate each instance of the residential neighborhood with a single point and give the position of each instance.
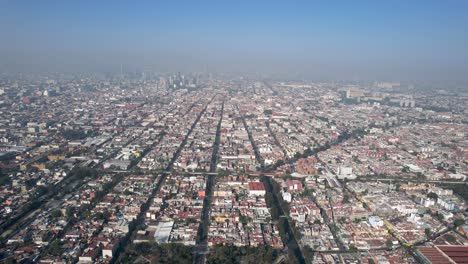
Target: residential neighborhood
(94, 169)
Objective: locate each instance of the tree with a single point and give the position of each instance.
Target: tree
(420, 176)
(440, 216)
(4, 179)
(428, 232)
(279, 163)
(223, 173)
(458, 222)
(389, 244)
(432, 195)
(356, 159)
(56, 213)
(352, 249)
(83, 172)
(397, 187)
(55, 248)
(244, 219)
(346, 198)
(69, 211)
(41, 190)
(450, 238)
(74, 134)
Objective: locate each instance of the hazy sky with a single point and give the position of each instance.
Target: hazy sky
(408, 39)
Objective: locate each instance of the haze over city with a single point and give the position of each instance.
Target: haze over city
(387, 40)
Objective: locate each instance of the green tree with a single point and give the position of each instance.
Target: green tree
(223, 173)
(450, 238)
(428, 232)
(69, 211)
(458, 222)
(440, 216)
(55, 248)
(4, 179)
(346, 198)
(56, 213)
(389, 244)
(432, 195)
(352, 249)
(397, 187)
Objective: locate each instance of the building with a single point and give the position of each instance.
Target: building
(163, 231)
(287, 197)
(443, 254)
(294, 185)
(256, 188)
(375, 221)
(345, 172)
(119, 164)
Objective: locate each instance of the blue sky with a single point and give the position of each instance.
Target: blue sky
(336, 39)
